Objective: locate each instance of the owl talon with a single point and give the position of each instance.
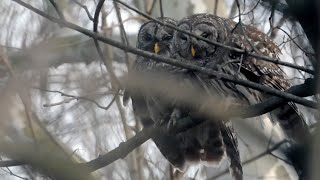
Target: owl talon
(176, 114)
(162, 122)
(171, 124)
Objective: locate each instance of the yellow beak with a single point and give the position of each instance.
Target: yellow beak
(156, 48)
(193, 51)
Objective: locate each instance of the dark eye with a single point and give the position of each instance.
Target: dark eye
(148, 37)
(183, 37)
(205, 35)
(167, 37)
(234, 55)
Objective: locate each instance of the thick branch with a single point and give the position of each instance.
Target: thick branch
(274, 102)
(9, 163)
(96, 15)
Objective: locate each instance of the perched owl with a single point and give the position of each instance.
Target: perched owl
(155, 38)
(193, 50)
(266, 73)
(217, 138)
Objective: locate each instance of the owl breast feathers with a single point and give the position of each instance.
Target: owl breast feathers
(215, 138)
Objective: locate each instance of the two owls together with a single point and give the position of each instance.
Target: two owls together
(213, 139)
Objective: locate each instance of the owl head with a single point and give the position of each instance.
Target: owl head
(205, 25)
(156, 38)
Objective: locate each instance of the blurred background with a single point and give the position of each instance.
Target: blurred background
(57, 92)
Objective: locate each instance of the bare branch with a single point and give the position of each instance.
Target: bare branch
(268, 151)
(161, 9)
(124, 37)
(57, 9)
(9, 163)
(108, 65)
(292, 39)
(85, 8)
(96, 15)
(150, 9)
(250, 11)
(73, 97)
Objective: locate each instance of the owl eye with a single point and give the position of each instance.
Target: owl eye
(148, 37)
(183, 37)
(205, 35)
(167, 37)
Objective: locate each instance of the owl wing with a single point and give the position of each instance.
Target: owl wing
(270, 74)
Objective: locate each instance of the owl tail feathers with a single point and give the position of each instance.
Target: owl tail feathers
(169, 148)
(292, 123)
(231, 145)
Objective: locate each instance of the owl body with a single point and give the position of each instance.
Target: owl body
(214, 139)
(269, 74)
(242, 66)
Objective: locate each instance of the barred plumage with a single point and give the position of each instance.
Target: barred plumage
(269, 74)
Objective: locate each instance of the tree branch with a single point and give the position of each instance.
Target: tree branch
(85, 8)
(266, 152)
(57, 9)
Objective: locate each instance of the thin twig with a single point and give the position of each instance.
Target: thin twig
(13, 174)
(149, 11)
(250, 11)
(124, 37)
(215, 10)
(161, 9)
(73, 97)
(266, 152)
(292, 39)
(108, 65)
(85, 8)
(57, 9)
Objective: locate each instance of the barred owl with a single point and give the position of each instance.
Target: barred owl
(196, 51)
(155, 38)
(251, 68)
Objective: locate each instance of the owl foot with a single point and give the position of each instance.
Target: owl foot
(175, 115)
